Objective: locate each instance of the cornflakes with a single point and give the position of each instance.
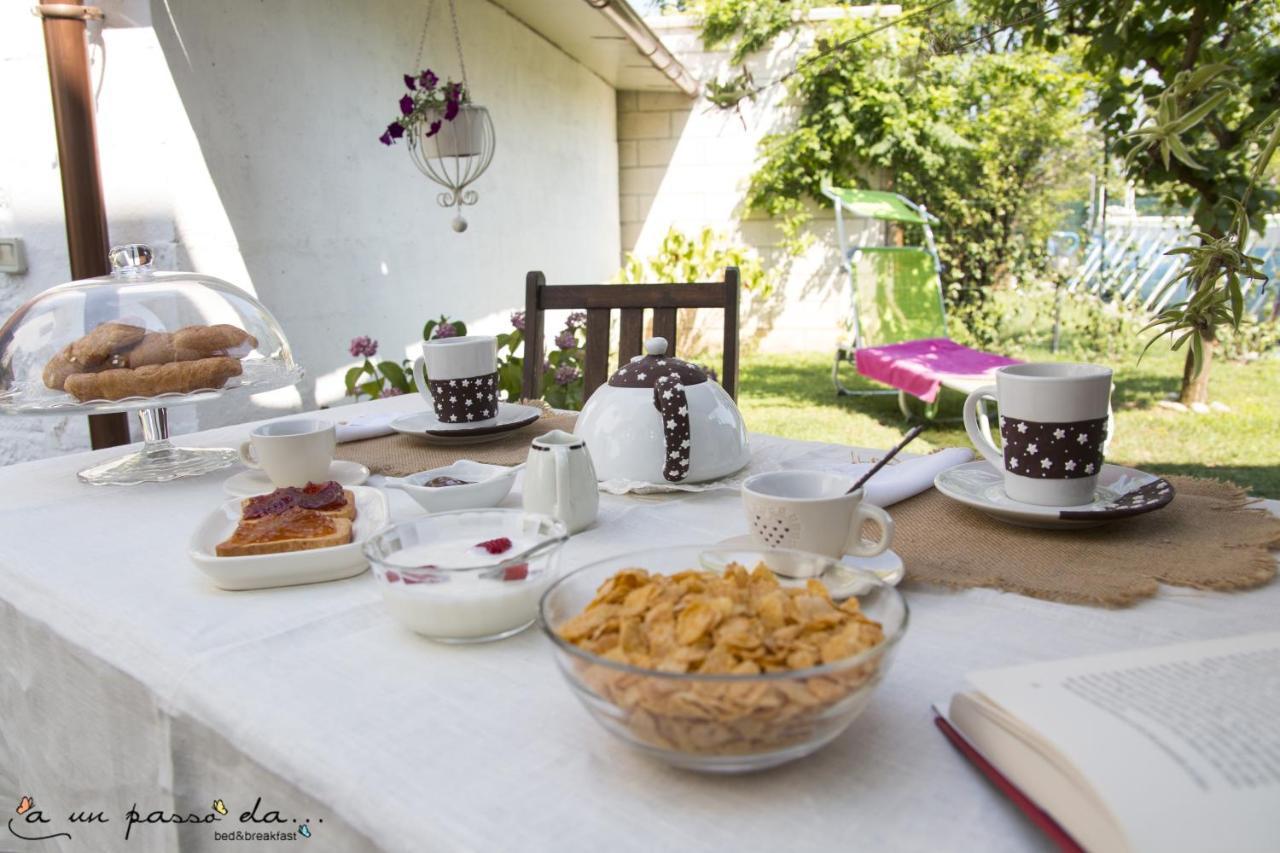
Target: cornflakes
(737, 624)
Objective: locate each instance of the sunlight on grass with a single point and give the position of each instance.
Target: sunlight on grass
(792, 396)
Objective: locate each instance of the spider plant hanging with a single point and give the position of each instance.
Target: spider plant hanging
(450, 139)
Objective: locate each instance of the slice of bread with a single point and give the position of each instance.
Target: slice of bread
(340, 536)
(347, 510)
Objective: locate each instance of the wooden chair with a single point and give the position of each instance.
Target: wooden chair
(599, 300)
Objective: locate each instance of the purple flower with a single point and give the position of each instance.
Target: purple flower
(517, 320)
(566, 339)
(392, 392)
(428, 80)
(406, 105)
(364, 346)
(452, 101)
(385, 138)
(566, 374)
(445, 330)
(395, 130)
(410, 83)
(576, 320)
(434, 129)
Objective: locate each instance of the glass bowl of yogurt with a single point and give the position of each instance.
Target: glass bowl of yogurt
(467, 576)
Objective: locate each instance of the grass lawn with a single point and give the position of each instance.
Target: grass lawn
(792, 396)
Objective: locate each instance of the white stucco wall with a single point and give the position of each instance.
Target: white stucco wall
(240, 139)
(686, 163)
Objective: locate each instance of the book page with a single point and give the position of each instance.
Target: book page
(1182, 742)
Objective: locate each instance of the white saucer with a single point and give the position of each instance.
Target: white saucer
(1121, 493)
(887, 566)
(255, 482)
(427, 426)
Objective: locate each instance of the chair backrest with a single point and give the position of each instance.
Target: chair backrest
(599, 300)
(899, 295)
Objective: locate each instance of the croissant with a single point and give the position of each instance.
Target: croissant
(178, 377)
(103, 342)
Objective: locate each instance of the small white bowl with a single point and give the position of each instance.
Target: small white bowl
(259, 571)
(487, 486)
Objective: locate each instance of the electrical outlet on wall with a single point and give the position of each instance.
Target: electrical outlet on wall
(12, 258)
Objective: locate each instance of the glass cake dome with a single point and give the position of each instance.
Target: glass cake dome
(140, 340)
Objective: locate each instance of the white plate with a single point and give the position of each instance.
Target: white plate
(887, 565)
(427, 426)
(246, 484)
(294, 567)
(487, 486)
(1121, 493)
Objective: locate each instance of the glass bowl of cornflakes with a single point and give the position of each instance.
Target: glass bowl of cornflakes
(723, 660)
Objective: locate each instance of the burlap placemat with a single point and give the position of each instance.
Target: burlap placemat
(1205, 539)
(400, 455)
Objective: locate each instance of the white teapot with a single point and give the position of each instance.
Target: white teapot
(661, 420)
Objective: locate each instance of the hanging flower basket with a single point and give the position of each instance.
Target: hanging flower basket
(463, 136)
(450, 139)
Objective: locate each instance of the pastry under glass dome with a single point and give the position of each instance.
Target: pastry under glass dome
(141, 340)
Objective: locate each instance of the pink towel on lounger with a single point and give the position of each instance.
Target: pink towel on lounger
(918, 367)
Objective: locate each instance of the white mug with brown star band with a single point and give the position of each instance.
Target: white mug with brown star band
(459, 378)
(1053, 427)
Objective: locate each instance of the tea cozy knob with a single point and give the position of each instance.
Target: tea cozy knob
(655, 346)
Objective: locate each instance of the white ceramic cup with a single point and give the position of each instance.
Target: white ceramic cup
(812, 511)
(463, 383)
(560, 480)
(1053, 425)
(292, 452)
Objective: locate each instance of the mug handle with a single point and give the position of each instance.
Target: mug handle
(979, 434)
(420, 377)
(246, 455)
(868, 512)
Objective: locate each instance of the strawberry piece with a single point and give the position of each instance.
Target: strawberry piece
(496, 546)
(518, 572)
(392, 577)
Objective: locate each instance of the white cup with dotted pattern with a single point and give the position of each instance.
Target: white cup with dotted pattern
(813, 511)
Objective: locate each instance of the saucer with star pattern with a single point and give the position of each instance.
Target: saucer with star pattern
(1121, 493)
(428, 426)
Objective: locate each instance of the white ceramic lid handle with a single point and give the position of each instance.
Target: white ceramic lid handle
(655, 346)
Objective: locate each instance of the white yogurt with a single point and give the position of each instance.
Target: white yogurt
(464, 605)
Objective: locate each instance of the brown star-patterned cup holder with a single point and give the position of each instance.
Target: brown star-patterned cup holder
(472, 399)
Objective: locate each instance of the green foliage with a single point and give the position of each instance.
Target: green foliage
(380, 379)
(682, 258)
(1254, 339)
(562, 368)
(1156, 63)
(1016, 321)
(985, 140)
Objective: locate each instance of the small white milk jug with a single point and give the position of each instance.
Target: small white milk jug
(560, 481)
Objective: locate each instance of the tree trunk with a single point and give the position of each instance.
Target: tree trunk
(1195, 389)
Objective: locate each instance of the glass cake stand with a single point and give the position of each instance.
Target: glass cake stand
(90, 346)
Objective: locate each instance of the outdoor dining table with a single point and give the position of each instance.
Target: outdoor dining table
(129, 682)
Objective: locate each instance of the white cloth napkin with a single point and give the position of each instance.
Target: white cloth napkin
(895, 481)
(366, 426)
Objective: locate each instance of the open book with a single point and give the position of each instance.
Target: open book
(1166, 749)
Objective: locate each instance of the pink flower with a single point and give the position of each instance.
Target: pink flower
(567, 374)
(576, 320)
(517, 320)
(566, 340)
(445, 330)
(392, 392)
(363, 346)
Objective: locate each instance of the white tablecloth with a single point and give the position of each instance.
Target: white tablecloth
(127, 678)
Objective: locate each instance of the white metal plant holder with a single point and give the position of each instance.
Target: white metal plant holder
(458, 153)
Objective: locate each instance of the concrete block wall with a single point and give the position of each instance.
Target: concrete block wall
(686, 163)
